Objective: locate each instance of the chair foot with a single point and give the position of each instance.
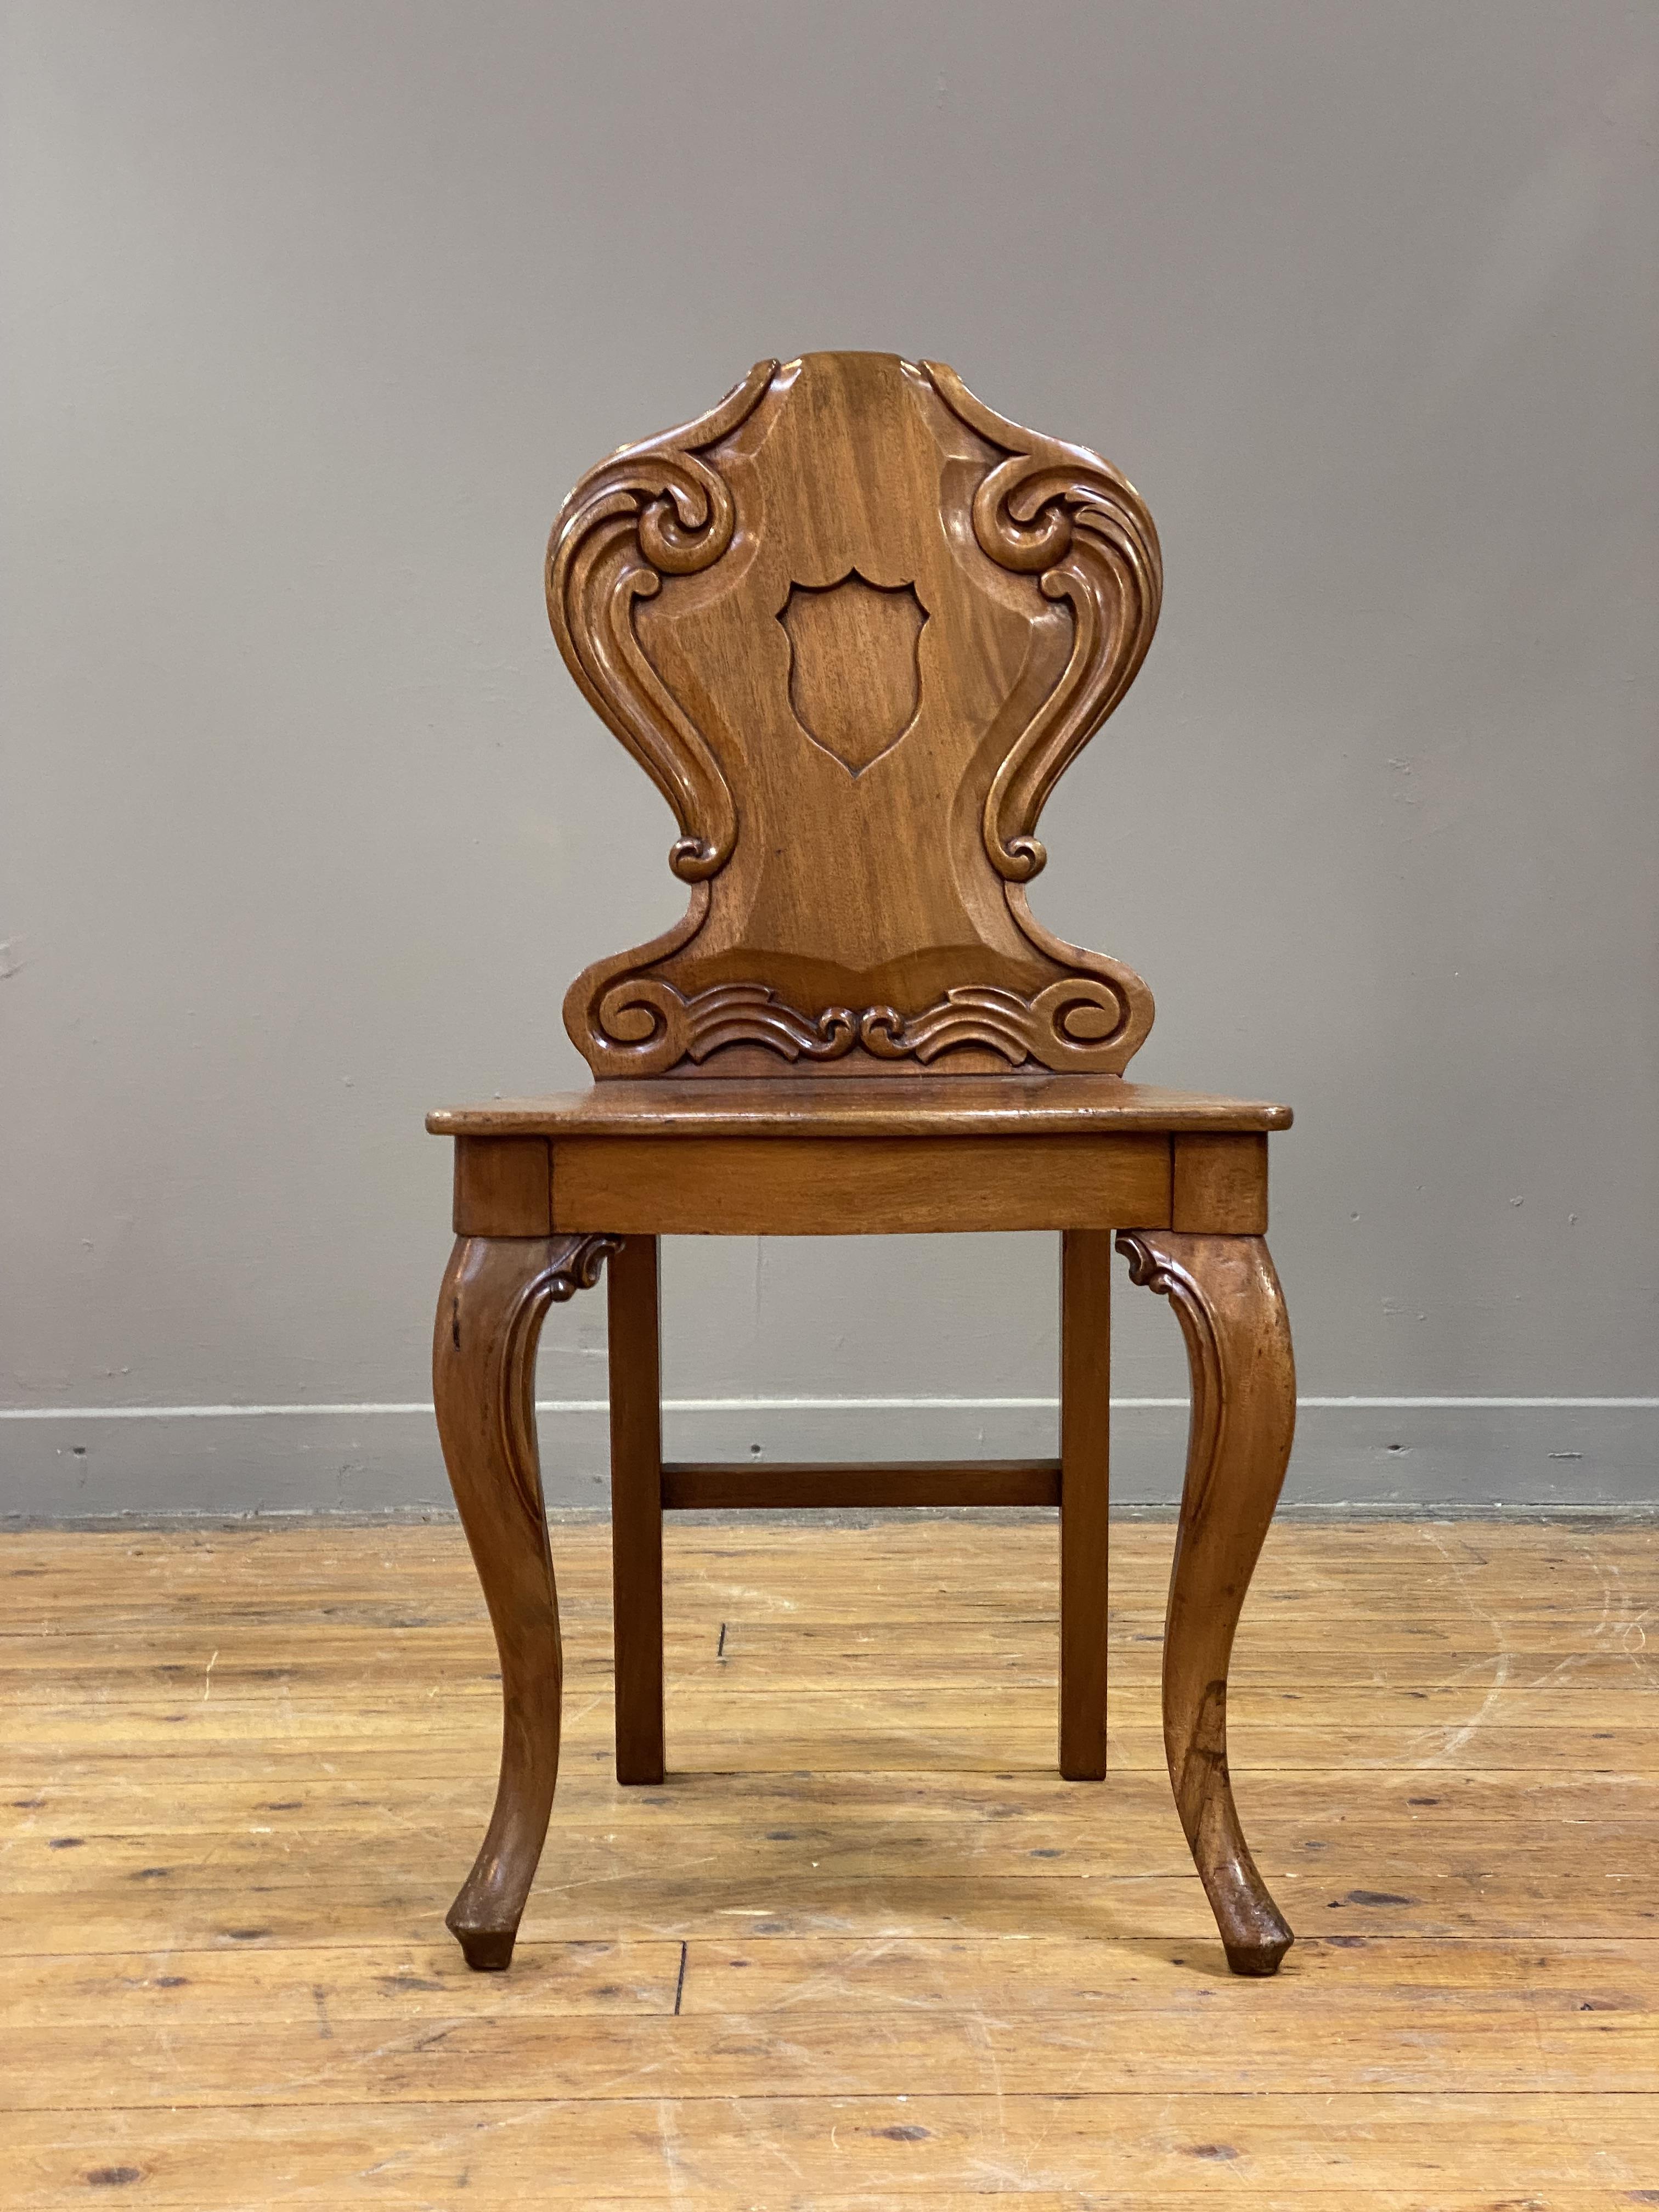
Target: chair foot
(486, 1950)
(1227, 1298)
(1259, 1959)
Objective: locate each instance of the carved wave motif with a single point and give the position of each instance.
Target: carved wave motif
(1074, 1023)
(646, 1027)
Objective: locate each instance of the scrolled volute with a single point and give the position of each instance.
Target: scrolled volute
(1157, 1263)
(577, 1267)
(652, 510)
(1062, 514)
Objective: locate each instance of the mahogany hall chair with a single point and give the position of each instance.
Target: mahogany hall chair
(855, 625)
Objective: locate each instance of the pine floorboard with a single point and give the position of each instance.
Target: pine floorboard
(863, 1948)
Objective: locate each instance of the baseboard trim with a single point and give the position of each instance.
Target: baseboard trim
(1354, 1456)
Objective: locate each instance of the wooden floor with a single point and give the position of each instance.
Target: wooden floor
(865, 1948)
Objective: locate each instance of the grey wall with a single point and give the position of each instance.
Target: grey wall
(314, 311)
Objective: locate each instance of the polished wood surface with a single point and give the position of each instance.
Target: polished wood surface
(1085, 1383)
(855, 625)
(692, 1485)
(867, 1186)
(929, 1106)
(502, 1187)
(636, 1503)
(858, 1184)
(1218, 1184)
(865, 1948)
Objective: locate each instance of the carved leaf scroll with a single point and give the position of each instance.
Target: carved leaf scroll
(1155, 1266)
(652, 510)
(1061, 512)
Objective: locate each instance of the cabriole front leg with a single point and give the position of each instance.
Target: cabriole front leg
(1227, 1298)
(496, 1293)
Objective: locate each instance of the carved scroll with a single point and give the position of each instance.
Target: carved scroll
(1061, 512)
(1113, 1050)
(563, 1266)
(1154, 1267)
(578, 1268)
(652, 510)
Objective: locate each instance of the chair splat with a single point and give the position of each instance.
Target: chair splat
(855, 625)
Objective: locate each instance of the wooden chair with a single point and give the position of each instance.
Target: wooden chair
(855, 625)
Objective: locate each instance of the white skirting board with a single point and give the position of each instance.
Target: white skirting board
(1375, 1453)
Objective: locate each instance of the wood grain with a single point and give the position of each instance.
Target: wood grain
(787, 1976)
(691, 1485)
(1219, 1184)
(857, 1186)
(1085, 1371)
(636, 1503)
(936, 1106)
(503, 1187)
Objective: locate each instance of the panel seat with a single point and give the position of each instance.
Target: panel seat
(828, 1106)
(840, 1156)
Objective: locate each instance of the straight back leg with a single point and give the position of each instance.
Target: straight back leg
(1085, 1383)
(636, 1508)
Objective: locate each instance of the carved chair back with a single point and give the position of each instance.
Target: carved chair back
(855, 625)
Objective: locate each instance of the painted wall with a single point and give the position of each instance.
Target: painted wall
(314, 312)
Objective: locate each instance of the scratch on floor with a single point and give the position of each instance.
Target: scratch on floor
(438, 2146)
(668, 2136)
(834, 1982)
(738, 2108)
(1503, 1665)
(980, 2031)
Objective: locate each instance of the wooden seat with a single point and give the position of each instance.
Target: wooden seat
(1002, 1153)
(945, 1106)
(855, 625)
